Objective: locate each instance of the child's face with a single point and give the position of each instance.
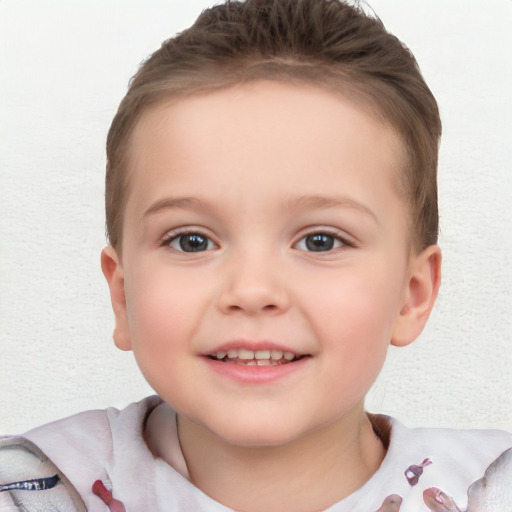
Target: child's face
(262, 218)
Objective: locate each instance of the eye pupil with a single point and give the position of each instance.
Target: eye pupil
(193, 243)
(319, 242)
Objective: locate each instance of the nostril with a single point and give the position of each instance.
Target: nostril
(252, 299)
(268, 307)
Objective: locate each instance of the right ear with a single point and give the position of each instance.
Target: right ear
(113, 272)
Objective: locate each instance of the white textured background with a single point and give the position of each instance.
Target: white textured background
(64, 66)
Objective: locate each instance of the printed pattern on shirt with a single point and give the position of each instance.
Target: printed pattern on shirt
(30, 482)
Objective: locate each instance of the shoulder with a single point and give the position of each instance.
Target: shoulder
(457, 468)
(64, 458)
(30, 481)
(87, 440)
(90, 430)
(455, 447)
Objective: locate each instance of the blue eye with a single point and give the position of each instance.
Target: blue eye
(191, 242)
(319, 242)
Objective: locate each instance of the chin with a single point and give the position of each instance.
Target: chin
(257, 434)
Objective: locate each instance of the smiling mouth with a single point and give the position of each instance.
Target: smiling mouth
(255, 357)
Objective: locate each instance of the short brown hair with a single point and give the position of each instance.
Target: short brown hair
(327, 43)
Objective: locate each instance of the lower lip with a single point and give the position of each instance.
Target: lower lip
(255, 374)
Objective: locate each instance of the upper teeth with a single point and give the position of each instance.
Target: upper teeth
(245, 354)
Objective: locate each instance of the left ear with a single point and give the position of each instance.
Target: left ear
(420, 293)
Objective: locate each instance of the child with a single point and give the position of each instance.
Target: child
(272, 218)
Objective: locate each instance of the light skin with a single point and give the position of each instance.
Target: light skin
(267, 217)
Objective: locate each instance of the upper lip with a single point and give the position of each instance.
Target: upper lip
(253, 345)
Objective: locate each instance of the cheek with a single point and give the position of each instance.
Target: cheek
(354, 322)
(361, 304)
(159, 328)
(160, 309)
(354, 352)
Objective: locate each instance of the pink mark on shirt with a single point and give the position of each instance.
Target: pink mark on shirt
(99, 489)
(413, 472)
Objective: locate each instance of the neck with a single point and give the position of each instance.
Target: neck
(304, 475)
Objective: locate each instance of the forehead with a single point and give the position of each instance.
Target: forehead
(265, 135)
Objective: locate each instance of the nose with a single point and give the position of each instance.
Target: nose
(254, 285)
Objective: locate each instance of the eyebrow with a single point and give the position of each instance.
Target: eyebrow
(302, 203)
(173, 202)
(315, 202)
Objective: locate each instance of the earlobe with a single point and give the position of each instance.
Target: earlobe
(420, 294)
(113, 272)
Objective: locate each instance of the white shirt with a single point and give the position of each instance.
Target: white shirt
(424, 469)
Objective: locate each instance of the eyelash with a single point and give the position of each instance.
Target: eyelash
(327, 233)
(177, 235)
